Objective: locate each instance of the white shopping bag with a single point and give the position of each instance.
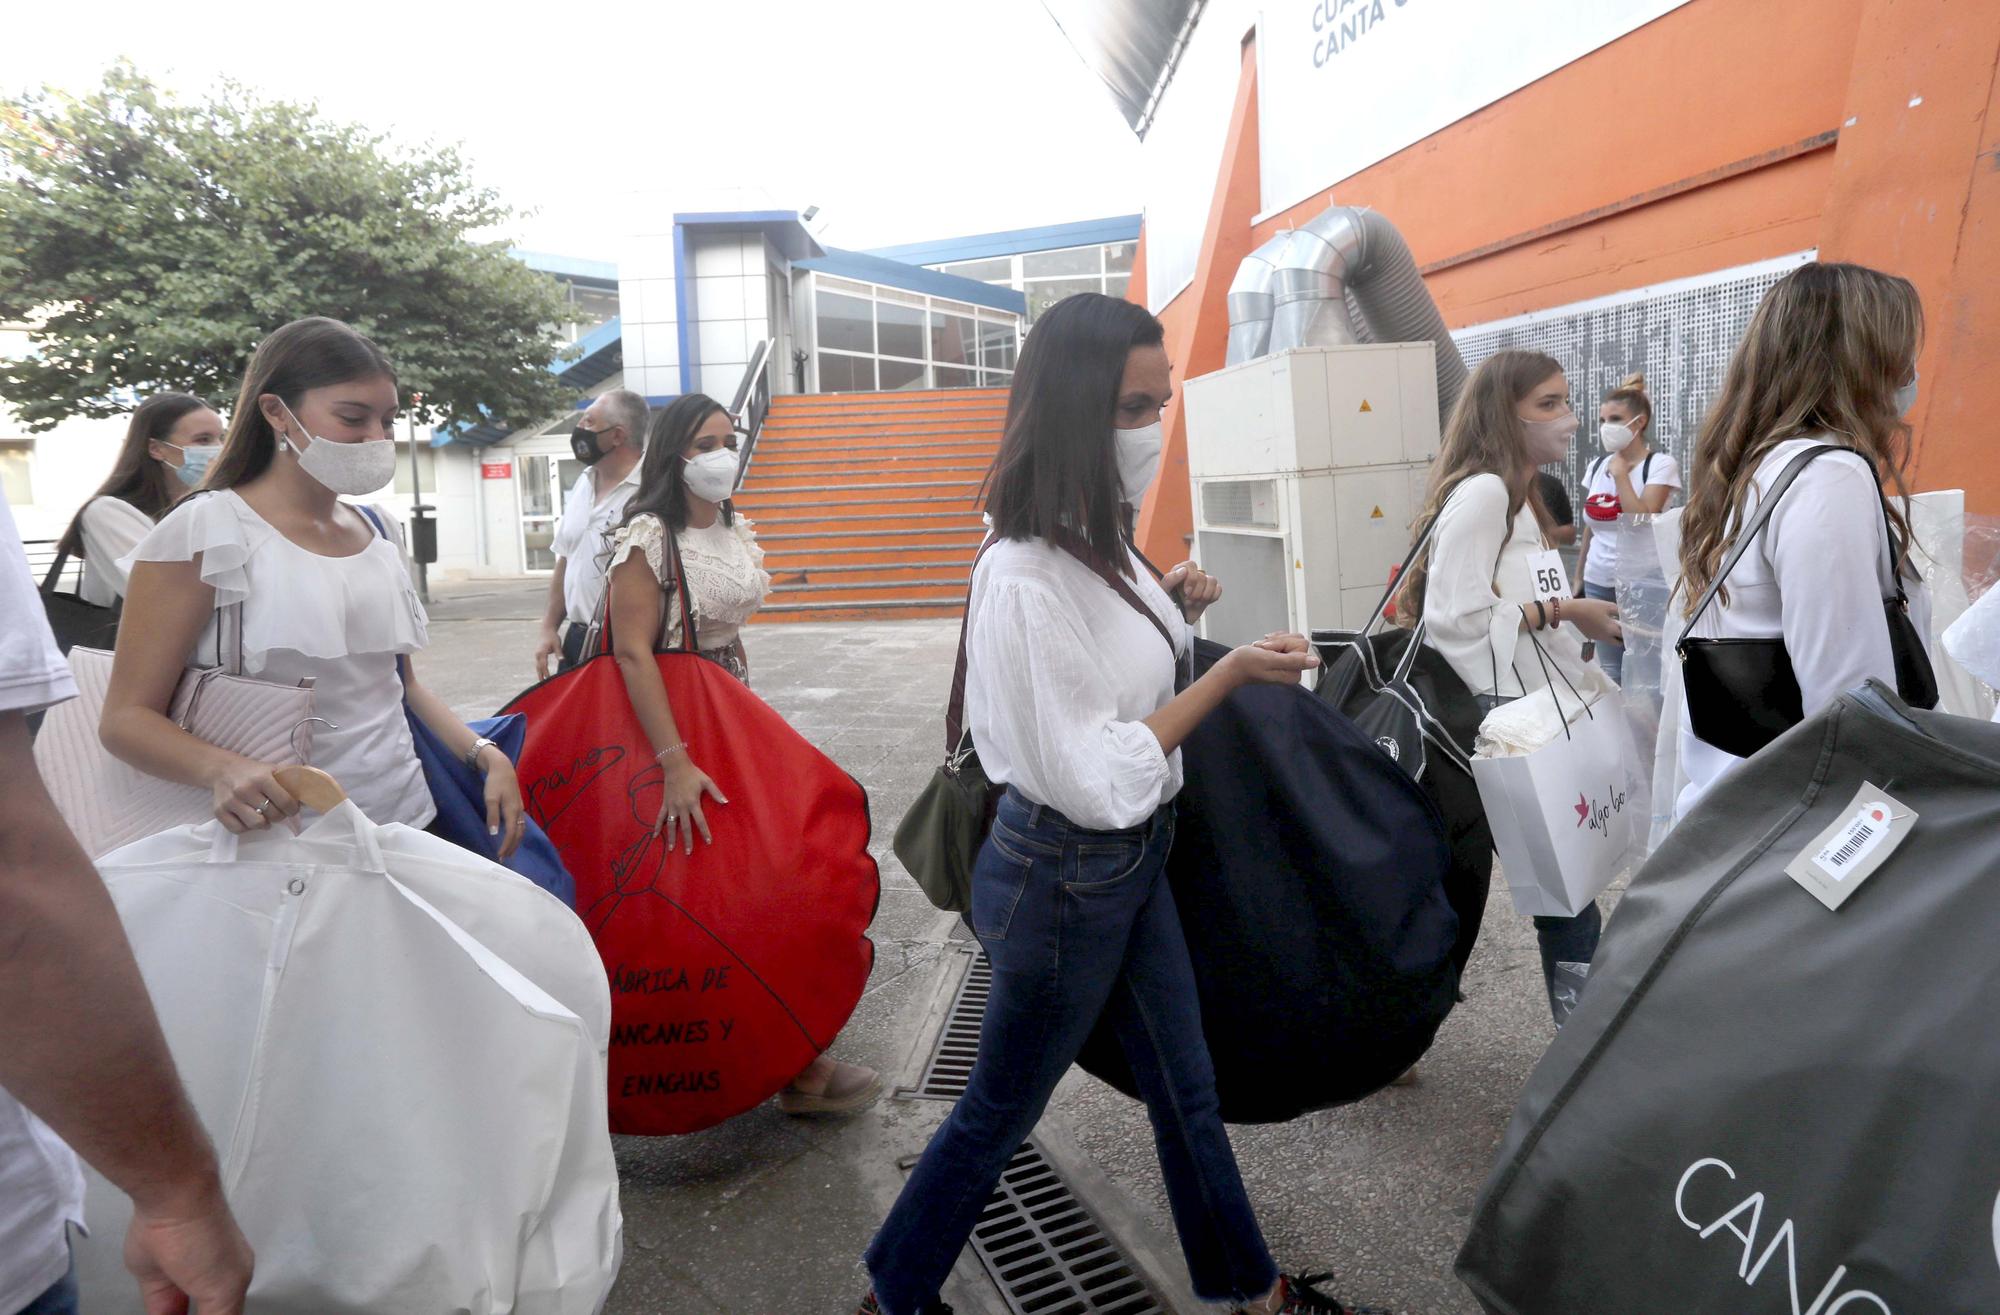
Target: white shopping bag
(1568, 816)
(399, 1051)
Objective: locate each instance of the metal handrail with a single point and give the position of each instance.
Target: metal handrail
(752, 403)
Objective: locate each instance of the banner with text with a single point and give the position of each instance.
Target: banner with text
(1346, 83)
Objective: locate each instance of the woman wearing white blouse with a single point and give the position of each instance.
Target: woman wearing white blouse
(1830, 357)
(1072, 657)
(682, 516)
(1482, 589)
(320, 596)
(164, 457)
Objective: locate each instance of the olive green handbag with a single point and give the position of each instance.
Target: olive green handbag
(939, 838)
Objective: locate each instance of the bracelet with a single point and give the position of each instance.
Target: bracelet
(1541, 616)
(479, 745)
(681, 747)
(1557, 605)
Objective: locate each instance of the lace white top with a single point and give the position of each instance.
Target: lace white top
(341, 620)
(725, 570)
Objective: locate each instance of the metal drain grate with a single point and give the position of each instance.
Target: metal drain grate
(1047, 1254)
(950, 1065)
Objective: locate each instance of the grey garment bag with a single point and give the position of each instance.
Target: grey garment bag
(1765, 1106)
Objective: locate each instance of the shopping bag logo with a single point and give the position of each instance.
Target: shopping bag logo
(1597, 814)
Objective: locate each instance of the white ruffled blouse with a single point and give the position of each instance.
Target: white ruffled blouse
(342, 621)
(725, 570)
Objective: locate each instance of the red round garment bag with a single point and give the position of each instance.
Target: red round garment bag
(730, 968)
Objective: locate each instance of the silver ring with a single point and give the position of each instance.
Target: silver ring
(263, 808)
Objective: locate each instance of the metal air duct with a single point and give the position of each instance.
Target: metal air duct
(1347, 277)
(1251, 302)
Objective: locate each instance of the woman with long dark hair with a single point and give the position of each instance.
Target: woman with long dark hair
(164, 457)
(682, 518)
(1830, 357)
(322, 596)
(1477, 590)
(1073, 656)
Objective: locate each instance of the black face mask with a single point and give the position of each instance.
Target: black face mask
(587, 444)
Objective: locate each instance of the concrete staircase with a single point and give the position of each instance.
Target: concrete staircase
(866, 503)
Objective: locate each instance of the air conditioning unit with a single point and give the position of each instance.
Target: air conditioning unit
(1308, 467)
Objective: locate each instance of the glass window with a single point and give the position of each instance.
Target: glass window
(999, 270)
(996, 346)
(16, 473)
(426, 467)
(846, 374)
(1076, 260)
(1117, 285)
(842, 285)
(951, 376)
(1118, 257)
(846, 323)
(954, 339)
(900, 374)
(899, 331)
(1048, 292)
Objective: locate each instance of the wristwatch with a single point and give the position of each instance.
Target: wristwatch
(472, 754)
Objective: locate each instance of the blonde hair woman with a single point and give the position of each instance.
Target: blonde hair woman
(1477, 593)
(1830, 358)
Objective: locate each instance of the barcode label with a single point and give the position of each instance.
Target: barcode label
(1855, 841)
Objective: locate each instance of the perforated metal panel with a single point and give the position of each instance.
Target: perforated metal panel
(1680, 334)
(1248, 502)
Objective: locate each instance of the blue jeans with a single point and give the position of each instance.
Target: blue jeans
(1077, 924)
(58, 1300)
(1610, 656)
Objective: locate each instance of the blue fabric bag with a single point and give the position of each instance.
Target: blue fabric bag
(460, 791)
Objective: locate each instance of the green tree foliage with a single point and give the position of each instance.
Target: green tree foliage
(152, 243)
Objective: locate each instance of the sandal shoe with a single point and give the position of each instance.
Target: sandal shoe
(1303, 1297)
(851, 1089)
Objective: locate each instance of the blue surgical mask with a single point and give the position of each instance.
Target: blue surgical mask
(1906, 396)
(193, 467)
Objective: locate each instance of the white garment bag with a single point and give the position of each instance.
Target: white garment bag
(399, 1051)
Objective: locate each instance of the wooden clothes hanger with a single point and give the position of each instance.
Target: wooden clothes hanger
(309, 785)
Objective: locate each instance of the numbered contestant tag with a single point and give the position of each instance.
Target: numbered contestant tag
(1551, 580)
(1835, 862)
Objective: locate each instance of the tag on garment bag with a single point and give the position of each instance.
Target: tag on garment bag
(1835, 862)
(1551, 580)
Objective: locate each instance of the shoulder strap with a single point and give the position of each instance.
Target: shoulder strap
(1646, 471)
(1590, 476)
(954, 710)
(1070, 544)
(601, 626)
(1765, 506)
(55, 573)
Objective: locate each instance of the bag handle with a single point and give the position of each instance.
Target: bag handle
(1765, 506)
(954, 710)
(601, 625)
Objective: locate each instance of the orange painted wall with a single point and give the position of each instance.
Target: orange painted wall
(1723, 133)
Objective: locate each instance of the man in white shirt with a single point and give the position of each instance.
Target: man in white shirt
(79, 1043)
(609, 439)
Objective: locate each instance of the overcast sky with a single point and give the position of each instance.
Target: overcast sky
(900, 119)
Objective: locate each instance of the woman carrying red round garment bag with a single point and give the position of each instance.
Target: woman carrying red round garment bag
(721, 861)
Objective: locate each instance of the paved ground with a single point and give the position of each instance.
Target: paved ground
(769, 1215)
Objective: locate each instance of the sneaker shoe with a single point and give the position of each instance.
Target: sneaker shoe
(1302, 1297)
(868, 1307)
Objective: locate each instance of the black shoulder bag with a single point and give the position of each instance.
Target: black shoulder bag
(1743, 693)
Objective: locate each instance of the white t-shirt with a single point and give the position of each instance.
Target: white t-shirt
(1479, 573)
(343, 621)
(1816, 577)
(41, 1182)
(1060, 672)
(583, 541)
(1657, 470)
(112, 528)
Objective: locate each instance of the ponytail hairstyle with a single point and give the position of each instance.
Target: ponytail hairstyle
(1631, 394)
(139, 477)
(1485, 436)
(301, 356)
(1825, 353)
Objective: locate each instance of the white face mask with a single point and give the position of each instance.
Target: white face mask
(350, 468)
(1616, 438)
(1906, 396)
(1138, 459)
(711, 476)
